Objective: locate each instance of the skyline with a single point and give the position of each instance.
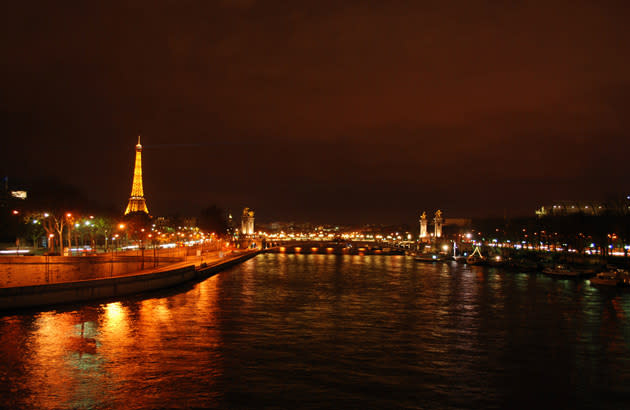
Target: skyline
(360, 112)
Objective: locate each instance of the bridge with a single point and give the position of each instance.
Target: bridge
(336, 247)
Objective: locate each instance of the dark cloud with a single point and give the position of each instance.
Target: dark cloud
(327, 110)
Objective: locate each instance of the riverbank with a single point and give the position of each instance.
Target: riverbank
(23, 297)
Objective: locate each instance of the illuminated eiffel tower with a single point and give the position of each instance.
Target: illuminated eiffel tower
(136, 201)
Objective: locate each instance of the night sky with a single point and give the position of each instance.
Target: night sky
(323, 111)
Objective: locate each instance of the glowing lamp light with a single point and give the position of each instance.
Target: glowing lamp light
(15, 212)
(121, 226)
(314, 249)
(68, 215)
(298, 249)
(445, 248)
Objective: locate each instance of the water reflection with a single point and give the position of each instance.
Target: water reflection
(362, 331)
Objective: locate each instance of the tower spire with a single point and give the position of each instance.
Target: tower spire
(137, 202)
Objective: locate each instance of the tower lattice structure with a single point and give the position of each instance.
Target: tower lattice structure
(137, 202)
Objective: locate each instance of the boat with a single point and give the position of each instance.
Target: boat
(562, 271)
(496, 260)
(459, 259)
(614, 277)
(605, 279)
(476, 258)
(429, 257)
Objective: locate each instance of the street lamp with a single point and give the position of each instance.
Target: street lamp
(121, 227)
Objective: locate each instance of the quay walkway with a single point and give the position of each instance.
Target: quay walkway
(111, 287)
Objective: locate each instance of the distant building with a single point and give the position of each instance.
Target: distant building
(247, 222)
(564, 208)
(189, 221)
(9, 197)
(231, 229)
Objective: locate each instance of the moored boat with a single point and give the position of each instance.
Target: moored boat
(605, 279)
(496, 260)
(459, 259)
(615, 277)
(562, 271)
(429, 257)
(476, 258)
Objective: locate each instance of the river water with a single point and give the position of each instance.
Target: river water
(313, 331)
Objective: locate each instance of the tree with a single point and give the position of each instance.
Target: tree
(137, 225)
(59, 222)
(212, 219)
(49, 226)
(103, 226)
(34, 228)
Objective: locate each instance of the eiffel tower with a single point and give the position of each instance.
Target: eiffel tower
(136, 201)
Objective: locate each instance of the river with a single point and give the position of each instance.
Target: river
(313, 331)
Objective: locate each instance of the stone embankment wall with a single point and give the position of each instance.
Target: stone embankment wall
(39, 270)
(15, 298)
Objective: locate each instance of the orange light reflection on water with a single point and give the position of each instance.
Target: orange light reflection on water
(63, 361)
(76, 359)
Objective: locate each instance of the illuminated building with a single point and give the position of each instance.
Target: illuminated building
(247, 222)
(9, 197)
(564, 208)
(136, 201)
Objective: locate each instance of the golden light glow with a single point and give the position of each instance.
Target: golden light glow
(137, 202)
